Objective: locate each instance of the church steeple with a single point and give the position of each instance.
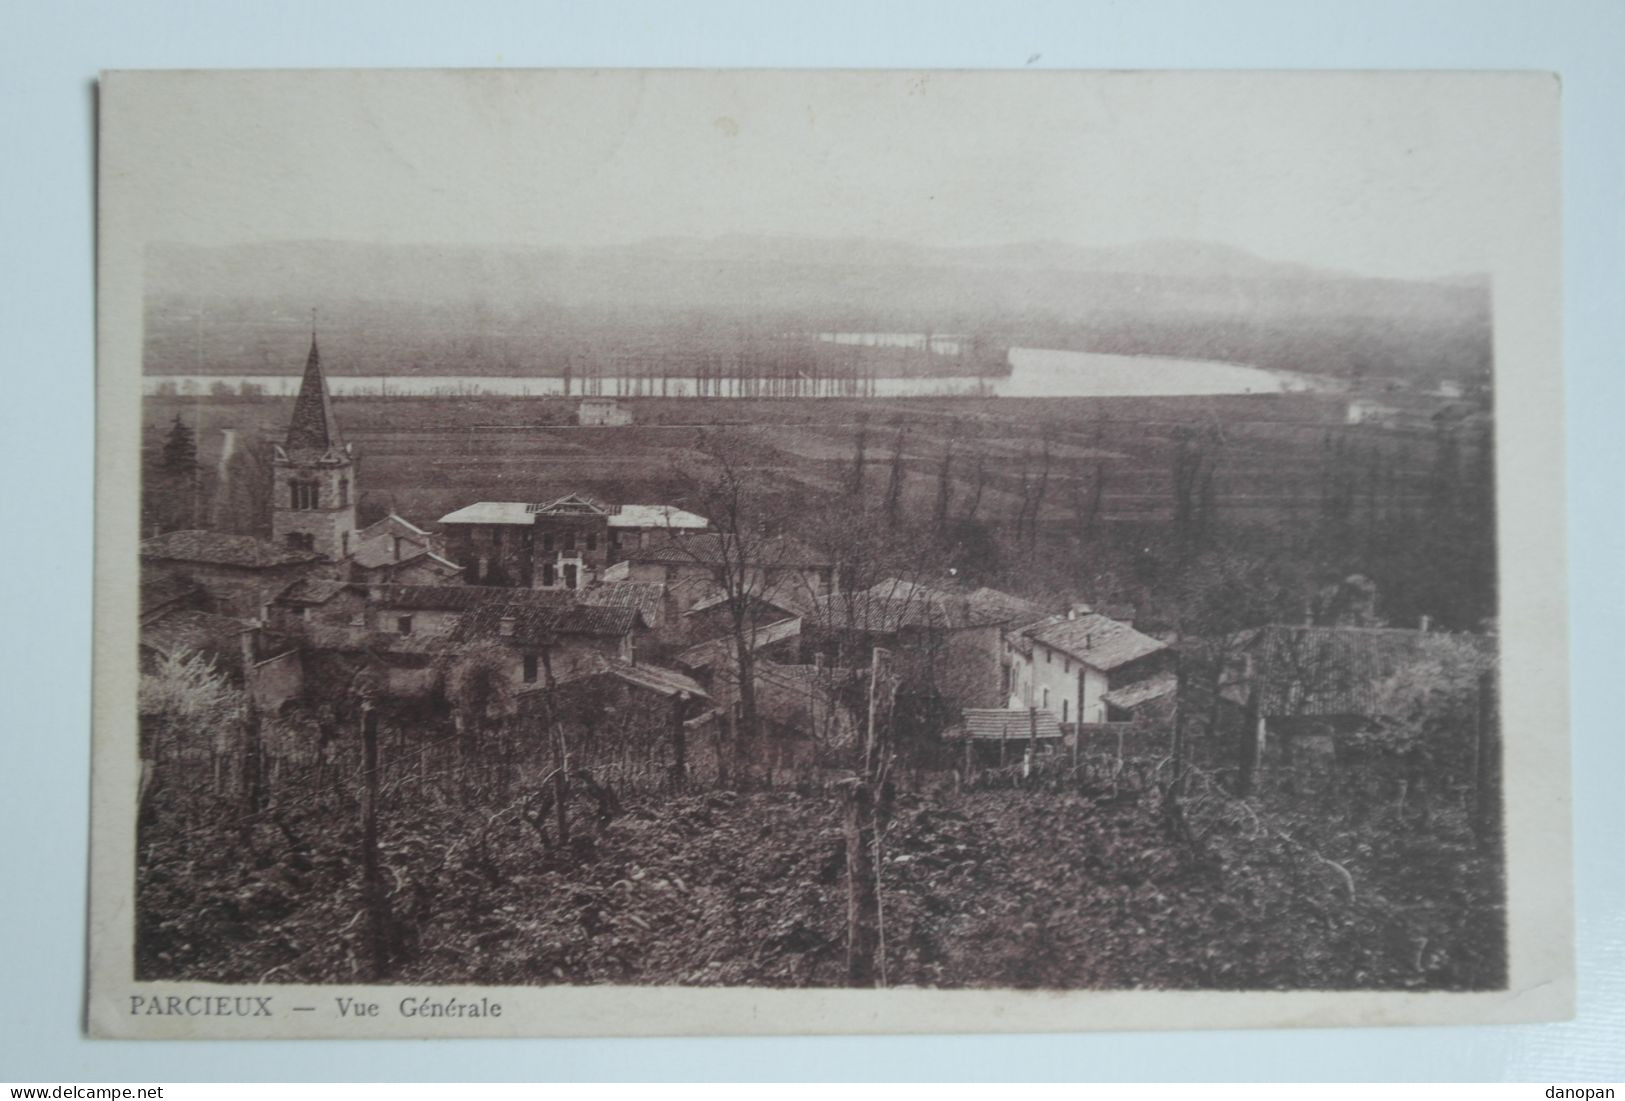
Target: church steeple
(313, 476)
(313, 427)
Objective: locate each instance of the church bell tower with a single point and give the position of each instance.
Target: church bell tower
(313, 474)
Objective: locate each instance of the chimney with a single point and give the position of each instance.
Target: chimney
(506, 626)
(1426, 622)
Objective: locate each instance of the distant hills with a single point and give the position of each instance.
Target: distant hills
(480, 310)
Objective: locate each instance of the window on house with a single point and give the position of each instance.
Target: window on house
(1049, 658)
(344, 544)
(304, 495)
(1066, 666)
(344, 493)
(1064, 704)
(547, 575)
(482, 567)
(592, 540)
(530, 668)
(569, 540)
(496, 537)
(547, 543)
(397, 548)
(1046, 699)
(403, 624)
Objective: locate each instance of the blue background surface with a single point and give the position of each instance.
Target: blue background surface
(49, 55)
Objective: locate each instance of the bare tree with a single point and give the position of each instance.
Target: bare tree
(854, 477)
(894, 484)
(945, 488)
(978, 484)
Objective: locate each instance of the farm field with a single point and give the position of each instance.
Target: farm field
(427, 456)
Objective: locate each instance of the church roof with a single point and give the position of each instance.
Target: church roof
(313, 427)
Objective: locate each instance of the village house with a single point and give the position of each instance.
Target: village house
(534, 638)
(712, 616)
(946, 646)
(692, 569)
(237, 574)
(422, 631)
(396, 551)
(635, 526)
(780, 639)
(567, 543)
(1068, 664)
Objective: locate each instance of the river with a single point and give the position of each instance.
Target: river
(1034, 373)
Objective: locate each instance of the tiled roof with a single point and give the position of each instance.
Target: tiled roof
(720, 651)
(393, 525)
(645, 596)
(781, 597)
(1094, 640)
(540, 624)
(894, 605)
(311, 590)
(446, 598)
(492, 512)
(994, 604)
(1130, 696)
(652, 678)
(379, 553)
(657, 516)
(997, 724)
(223, 549)
(161, 590)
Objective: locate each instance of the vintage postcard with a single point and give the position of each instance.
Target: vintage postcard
(705, 552)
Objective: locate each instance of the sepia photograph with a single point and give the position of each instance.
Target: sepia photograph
(700, 551)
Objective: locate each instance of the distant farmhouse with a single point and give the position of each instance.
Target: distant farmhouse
(1368, 411)
(602, 411)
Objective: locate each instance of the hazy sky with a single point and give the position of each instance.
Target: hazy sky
(1403, 175)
